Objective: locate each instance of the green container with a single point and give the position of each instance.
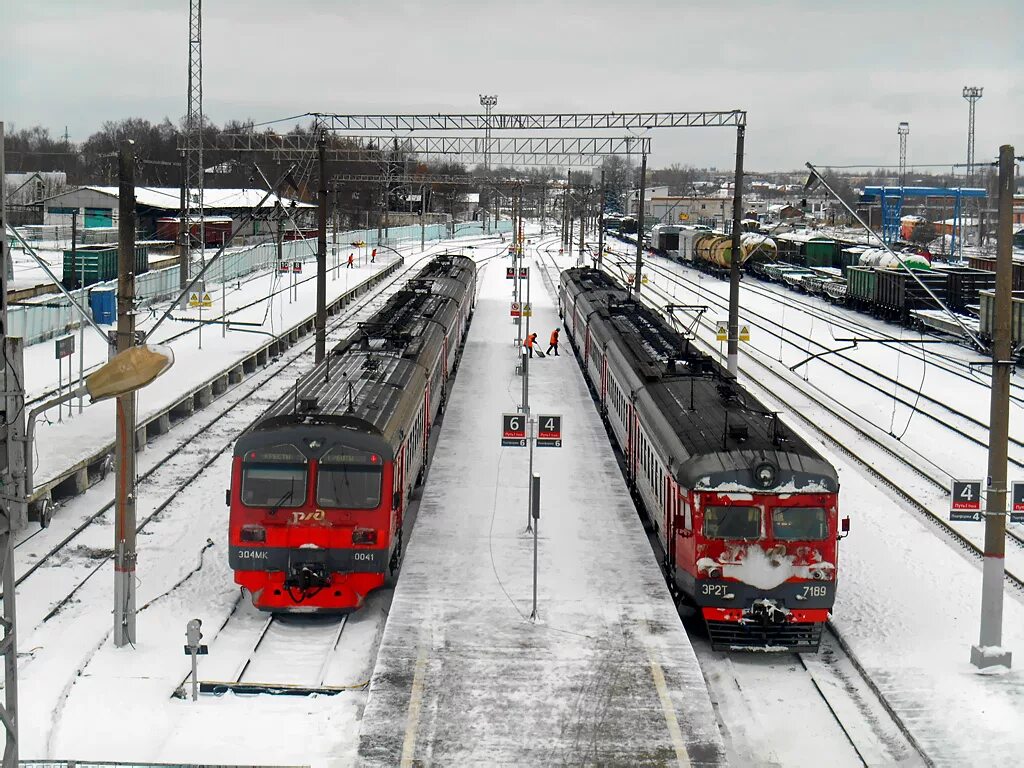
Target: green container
(821, 253)
(98, 264)
(861, 283)
(846, 259)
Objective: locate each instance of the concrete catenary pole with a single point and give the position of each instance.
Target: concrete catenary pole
(124, 444)
(733, 360)
(989, 652)
(321, 254)
(565, 210)
(12, 511)
(543, 207)
(600, 225)
(638, 268)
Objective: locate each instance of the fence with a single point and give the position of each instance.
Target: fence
(36, 322)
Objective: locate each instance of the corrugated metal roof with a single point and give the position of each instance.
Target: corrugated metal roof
(169, 198)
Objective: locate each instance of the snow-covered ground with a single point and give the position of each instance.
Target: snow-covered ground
(908, 600)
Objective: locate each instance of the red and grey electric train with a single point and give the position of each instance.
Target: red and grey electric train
(746, 511)
(320, 484)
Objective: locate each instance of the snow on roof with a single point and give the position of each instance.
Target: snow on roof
(170, 197)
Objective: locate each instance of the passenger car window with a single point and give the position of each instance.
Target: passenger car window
(799, 523)
(732, 522)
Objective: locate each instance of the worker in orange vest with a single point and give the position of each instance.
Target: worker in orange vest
(530, 340)
(350, 259)
(554, 342)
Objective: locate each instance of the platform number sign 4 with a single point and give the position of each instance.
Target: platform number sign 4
(549, 431)
(513, 430)
(965, 501)
(1017, 502)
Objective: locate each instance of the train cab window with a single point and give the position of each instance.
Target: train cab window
(732, 522)
(274, 477)
(349, 478)
(799, 523)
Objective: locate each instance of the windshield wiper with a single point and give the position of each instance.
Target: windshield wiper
(286, 497)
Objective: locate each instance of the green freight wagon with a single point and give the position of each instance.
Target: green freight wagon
(98, 264)
(860, 286)
(821, 253)
(849, 257)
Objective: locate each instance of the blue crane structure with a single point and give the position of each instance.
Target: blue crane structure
(892, 198)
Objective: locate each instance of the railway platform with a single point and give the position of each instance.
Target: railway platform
(605, 675)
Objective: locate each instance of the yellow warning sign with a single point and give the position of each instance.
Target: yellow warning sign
(195, 300)
(744, 333)
(721, 330)
(643, 279)
(527, 310)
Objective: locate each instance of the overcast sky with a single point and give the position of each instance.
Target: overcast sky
(826, 81)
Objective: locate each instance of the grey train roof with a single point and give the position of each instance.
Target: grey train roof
(717, 434)
(373, 379)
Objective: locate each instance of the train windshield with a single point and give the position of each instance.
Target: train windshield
(732, 522)
(274, 477)
(349, 479)
(799, 523)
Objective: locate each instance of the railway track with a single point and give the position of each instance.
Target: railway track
(978, 434)
(285, 654)
(210, 440)
(872, 451)
(874, 731)
(952, 365)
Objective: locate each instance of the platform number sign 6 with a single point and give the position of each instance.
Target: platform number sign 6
(513, 430)
(965, 500)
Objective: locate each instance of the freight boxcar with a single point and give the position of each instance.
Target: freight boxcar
(963, 284)
(90, 264)
(860, 286)
(987, 317)
(897, 292)
(989, 263)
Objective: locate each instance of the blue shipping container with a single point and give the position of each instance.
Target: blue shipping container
(103, 302)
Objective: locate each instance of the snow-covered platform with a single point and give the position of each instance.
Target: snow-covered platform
(607, 675)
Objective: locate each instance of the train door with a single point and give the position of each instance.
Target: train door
(632, 438)
(604, 382)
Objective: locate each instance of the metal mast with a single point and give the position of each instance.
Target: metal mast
(488, 103)
(193, 211)
(972, 93)
(903, 130)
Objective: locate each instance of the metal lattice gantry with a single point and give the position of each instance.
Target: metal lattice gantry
(193, 144)
(523, 121)
(536, 151)
(416, 179)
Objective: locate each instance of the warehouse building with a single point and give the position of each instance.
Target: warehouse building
(157, 210)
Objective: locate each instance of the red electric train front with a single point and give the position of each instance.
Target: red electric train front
(313, 521)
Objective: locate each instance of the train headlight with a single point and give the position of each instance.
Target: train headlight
(764, 474)
(255, 533)
(364, 536)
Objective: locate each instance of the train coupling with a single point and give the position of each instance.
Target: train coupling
(766, 612)
(305, 576)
